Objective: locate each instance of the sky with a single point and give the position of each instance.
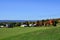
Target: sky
(29, 9)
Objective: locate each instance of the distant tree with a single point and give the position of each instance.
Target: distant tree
(55, 23)
(27, 23)
(3, 23)
(38, 23)
(18, 24)
(43, 22)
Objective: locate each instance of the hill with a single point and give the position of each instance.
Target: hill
(12, 20)
(25, 20)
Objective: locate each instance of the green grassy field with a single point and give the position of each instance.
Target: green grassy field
(30, 33)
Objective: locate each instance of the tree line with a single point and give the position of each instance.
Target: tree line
(38, 23)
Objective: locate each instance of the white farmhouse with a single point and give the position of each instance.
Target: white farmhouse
(24, 25)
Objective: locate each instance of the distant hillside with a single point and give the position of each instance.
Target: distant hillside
(24, 20)
(16, 20)
(12, 20)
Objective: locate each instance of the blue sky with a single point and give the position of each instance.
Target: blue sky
(29, 9)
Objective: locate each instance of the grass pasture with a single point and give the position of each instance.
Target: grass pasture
(30, 33)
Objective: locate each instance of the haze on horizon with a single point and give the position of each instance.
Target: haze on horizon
(29, 9)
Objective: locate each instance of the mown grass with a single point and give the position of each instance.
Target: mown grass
(30, 33)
